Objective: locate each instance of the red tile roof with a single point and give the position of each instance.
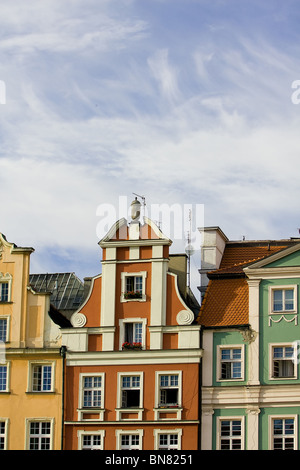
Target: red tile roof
(226, 299)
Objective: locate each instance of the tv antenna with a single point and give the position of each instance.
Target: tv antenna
(189, 251)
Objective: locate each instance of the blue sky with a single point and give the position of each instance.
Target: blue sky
(182, 101)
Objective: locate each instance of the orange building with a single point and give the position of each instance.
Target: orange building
(133, 354)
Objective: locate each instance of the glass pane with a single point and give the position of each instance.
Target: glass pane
(289, 299)
(277, 300)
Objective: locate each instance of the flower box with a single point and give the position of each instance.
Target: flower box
(131, 346)
(133, 295)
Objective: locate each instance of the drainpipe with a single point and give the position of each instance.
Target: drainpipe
(200, 394)
(63, 350)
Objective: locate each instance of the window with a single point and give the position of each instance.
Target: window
(91, 397)
(4, 290)
(92, 391)
(283, 433)
(230, 363)
(3, 434)
(283, 299)
(3, 378)
(40, 435)
(131, 392)
(133, 286)
(3, 330)
(130, 395)
(91, 441)
(169, 390)
(5, 287)
(167, 439)
(133, 333)
(283, 362)
(42, 378)
(168, 394)
(129, 440)
(231, 434)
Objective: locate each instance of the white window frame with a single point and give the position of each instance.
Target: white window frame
(160, 410)
(5, 435)
(219, 362)
(122, 326)
(121, 432)
(158, 432)
(283, 417)
(81, 434)
(6, 364)
(271, 360)
(124, 275)
(230, 418)
(272, 289)
(28, 421)
(7, 318)
(31, 366)
(135, 410)
(6, 278)
(82, 410)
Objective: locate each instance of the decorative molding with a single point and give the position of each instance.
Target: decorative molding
(184, 317)
(249, 335)
(78, 320)
(283, 317)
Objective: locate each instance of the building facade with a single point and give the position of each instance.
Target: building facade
(30, 358)
(133, 353)
(249, 316)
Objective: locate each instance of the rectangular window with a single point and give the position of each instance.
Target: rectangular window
(130, 442)
(133, 333)
(2, 434)
(169, 390)
(3, 330)
(168, 441)
(231, 363)
(231, 434)
(131, 391)
(4, 292)
(283, 299)
(3, 378)
(91, 442)
(40, 435)
(42, 378)
(92, 391)
(283, 362)
(283, 433)
(133, 286)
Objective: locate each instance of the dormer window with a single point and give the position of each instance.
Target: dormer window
(133, 286)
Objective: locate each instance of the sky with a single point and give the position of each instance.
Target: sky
(192, 103)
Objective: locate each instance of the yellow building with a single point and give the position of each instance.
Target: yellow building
(31, 359)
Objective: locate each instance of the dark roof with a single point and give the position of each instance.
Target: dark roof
(67, 290)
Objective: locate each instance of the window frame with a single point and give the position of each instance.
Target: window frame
(136, 409)
(31, 366)
(160, 409)
(220, 348)
(159, 432)
(6, 364)
(5, 279)
(122, 330)
(121, 432)
(82, 410)
(39, 420)
(124, 276)
(283, 288)
(5, 318)
(231, 419)
(81, 434)
(4, 436)
(272, 418)
(272, 346)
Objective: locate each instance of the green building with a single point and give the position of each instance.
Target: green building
(251, 343)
